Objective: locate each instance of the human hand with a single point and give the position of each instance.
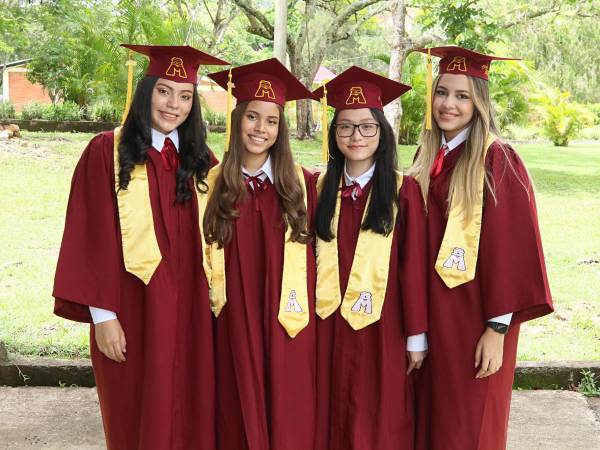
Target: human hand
(489, 353)
(110, 339)
(415, 360)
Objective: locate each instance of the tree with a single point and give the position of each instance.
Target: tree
(315, 29)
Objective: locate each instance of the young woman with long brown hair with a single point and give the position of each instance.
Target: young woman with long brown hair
(262, 270)
(487, 270)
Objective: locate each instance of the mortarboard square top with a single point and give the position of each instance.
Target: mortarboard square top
(458, 60)
(267, 80)
(178, 63)
(357, 88)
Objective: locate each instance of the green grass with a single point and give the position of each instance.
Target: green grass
(34, 185)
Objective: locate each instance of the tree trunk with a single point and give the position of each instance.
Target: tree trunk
(280, 32)
(400, 45)
(304, 119)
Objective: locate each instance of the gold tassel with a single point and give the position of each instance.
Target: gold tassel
(230, 87)
(324, 123)
(130, 64)
(429, 83)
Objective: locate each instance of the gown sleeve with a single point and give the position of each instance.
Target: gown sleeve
(90, 261)
(413, 258)
(511, 268)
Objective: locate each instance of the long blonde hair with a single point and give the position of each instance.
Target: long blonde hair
(470, 167)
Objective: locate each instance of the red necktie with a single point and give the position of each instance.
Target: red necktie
(169, 155)
(438, 162)
(256, 185)
(348, 191)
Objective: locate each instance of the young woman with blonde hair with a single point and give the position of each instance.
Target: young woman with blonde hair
(262, 270)
(487, 270)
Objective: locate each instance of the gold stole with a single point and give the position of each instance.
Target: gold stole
(363, 301)
(293, 303)
(141, 254)
(457, 257)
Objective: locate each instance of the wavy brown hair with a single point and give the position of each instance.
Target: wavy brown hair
(230, 190)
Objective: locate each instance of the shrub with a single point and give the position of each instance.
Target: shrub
(7, 110)
(214, 118)
(595, 109)
(34, 111)
(104, 111)
(63, 111)
(563, 119)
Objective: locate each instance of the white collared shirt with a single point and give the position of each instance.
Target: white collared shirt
(158, 139)
(265, 171)
(455, 142)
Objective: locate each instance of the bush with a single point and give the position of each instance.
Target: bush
(215, 118)
(63, 112)
(7, 110)
(595, 109)
(563, 119)
(34, 111)
(104, 111)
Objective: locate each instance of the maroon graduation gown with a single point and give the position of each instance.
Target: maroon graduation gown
(162, 397)
(457, 411)
(265, 379)
(365, 400)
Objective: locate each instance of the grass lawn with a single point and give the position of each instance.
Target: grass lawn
(34, 186)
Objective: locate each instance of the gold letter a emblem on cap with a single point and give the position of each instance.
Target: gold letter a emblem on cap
(176, 68)
(265, 90)
(356, 95)
(458, 63)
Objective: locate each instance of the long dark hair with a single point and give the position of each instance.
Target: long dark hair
(384, 189)
(136, 138)
(230, 189)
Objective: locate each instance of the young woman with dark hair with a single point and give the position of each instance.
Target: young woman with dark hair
(371, 275)
(486, 265)
(129, 263)
(262, 270)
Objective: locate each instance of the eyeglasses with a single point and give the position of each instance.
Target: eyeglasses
(348, 129)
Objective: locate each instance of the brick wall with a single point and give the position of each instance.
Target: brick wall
(21, 91)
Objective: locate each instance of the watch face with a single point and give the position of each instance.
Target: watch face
(498, 327)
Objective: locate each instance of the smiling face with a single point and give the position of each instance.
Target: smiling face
(171, 104)
(453, 104)
(358, 150)
(260, 127)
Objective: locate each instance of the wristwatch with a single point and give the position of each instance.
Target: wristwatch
(498, 327)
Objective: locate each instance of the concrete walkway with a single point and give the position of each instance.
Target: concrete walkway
(69, 419)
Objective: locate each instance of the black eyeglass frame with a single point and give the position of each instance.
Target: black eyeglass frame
(355, 126)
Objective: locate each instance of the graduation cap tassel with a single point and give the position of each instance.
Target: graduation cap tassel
(130, 64)
(324, 123)
(230, 86)
(429, 83)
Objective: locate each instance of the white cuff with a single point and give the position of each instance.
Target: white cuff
(505, 319)
(100, 315)
(417, 343)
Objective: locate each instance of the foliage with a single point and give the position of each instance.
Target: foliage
(589, 385)
(34, 111)
(7, 110)
(104, 111)
(61, 112)
(563, 119)
(413, 102)
(595, 109)
(214, 118)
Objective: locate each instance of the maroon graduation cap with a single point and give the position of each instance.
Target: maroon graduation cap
(175, 62)
(458, 60)
(267, 80)
(357, 88)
